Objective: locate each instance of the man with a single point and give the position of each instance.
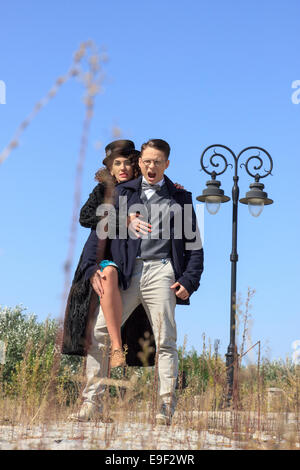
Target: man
(158, 269)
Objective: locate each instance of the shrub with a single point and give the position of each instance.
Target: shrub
(31, 352)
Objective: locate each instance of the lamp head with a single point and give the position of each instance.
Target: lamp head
(213, 196)
(256, 199)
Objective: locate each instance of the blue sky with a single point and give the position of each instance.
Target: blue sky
(193, 73)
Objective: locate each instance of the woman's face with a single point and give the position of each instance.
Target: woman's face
(122, 169)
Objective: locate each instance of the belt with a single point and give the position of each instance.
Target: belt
(163, 260)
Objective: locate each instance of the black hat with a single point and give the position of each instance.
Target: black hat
(125, 148)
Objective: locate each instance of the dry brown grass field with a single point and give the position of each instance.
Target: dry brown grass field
(39, 389)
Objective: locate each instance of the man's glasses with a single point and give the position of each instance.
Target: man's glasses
(157, 163)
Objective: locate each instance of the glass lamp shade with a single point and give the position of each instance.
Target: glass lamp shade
(255, 206)
(213, 204)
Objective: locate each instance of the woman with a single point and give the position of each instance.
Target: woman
(121, 164)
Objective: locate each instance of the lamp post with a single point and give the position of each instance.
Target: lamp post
(256, 199)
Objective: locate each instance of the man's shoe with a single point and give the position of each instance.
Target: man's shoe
(162, 420)
(88, 412)
(164, 417)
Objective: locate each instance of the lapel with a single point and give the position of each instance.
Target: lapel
(135, 187)
(133, 191)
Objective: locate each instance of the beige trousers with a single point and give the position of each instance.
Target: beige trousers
(150, 285)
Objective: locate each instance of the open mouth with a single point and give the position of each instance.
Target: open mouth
(151, 175)
(123, 175)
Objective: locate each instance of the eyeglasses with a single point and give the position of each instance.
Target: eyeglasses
(157, 163)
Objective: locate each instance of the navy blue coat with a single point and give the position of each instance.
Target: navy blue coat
(187, 264)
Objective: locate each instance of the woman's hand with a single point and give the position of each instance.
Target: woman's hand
(178, 186)
(137, 226)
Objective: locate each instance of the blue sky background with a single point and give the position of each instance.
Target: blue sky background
(194, 73)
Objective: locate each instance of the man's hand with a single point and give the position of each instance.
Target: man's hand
(182, 293)
(138, 226)
(95, 280)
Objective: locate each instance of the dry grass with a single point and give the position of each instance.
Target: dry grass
(39, 389)
(36, 417)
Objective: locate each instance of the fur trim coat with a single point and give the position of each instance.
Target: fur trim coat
(82, 304)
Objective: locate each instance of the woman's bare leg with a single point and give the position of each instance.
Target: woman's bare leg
(111, 303)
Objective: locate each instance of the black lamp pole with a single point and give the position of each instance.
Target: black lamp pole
(256, 199)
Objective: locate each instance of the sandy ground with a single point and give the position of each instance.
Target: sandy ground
(89, 436)
(138, 436)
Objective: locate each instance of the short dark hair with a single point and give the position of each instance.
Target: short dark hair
(158, 144)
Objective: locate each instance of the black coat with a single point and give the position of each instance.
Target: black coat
(186, 254)
(83, 301)
(187, 262)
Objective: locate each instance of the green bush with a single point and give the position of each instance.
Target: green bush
(16, 330)
(200, 370)
(30, 351)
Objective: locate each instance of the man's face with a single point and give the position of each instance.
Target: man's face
(122, 169)
(153, 164)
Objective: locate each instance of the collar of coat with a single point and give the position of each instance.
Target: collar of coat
(135, 185)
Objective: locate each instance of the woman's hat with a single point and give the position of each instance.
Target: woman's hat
(124, 148)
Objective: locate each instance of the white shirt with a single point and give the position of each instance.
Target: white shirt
(149, 192)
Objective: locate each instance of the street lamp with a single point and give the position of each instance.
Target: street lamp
(255, 198)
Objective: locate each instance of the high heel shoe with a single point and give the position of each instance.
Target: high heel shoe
(117, 358)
